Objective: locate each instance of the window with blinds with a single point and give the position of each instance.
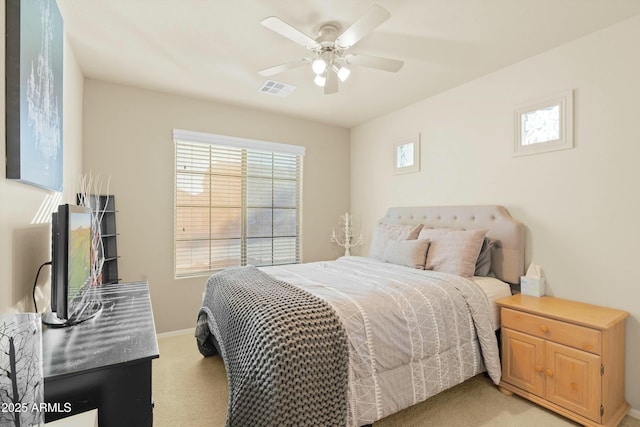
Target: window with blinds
(237, 203)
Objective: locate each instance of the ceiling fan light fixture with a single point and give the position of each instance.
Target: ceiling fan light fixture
(342, 72)
(320, 80)
(319, 66)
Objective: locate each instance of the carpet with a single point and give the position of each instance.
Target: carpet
(190, 390)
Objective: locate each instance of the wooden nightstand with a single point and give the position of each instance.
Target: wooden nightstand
(565, 356)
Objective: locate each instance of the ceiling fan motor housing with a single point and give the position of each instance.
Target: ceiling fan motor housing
(328, 50)
(327, 35)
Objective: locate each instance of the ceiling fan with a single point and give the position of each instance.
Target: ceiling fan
(330, 58)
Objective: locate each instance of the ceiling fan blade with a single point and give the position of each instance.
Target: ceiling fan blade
(279, 26)
(331, 84)
(363, 26)
(384, 64)
(283, 67)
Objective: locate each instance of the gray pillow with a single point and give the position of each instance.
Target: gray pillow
(483, 264)
(410, 253)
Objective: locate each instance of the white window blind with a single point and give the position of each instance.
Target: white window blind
(235, 205)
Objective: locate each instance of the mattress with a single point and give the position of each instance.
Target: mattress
(494, 289)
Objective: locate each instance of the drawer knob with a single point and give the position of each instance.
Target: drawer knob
(538, 368)
(549, 372)
(544, 329)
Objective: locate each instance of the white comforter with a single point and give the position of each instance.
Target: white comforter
(412, 333)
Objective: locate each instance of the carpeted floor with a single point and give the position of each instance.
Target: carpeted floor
(191, 391)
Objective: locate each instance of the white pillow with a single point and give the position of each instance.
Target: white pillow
(383, 233)
(410, 253)
(453, 251)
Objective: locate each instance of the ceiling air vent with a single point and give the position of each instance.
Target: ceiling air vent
(276, 88)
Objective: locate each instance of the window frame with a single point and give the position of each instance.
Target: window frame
(246, 148)
(414, 142)
(564, 141)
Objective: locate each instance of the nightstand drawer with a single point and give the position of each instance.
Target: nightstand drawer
(579, 337)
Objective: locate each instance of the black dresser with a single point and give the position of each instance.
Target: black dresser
(105, 362)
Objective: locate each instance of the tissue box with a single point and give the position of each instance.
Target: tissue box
(533, 286)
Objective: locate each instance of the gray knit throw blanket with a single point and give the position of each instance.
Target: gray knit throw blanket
(285, 350)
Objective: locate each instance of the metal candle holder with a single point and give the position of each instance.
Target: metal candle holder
(346, 235)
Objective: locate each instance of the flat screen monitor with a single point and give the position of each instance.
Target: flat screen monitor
(71, 237)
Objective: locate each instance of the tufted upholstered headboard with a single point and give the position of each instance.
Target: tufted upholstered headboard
(507, 259)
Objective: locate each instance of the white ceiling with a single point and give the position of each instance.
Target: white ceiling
(212, 49)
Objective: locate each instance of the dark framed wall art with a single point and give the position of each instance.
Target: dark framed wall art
(34, 72)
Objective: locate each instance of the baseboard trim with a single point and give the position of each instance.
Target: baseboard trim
(635, 413)
(175, 333)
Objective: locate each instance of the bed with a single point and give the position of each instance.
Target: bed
(351, 341)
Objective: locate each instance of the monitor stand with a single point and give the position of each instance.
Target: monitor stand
(52, 320)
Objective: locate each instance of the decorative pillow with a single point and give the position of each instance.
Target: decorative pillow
(453, 251)
(483, 263)
(410, 253)
(383, 233)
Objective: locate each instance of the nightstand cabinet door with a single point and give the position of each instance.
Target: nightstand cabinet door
(573, 380)
(523, 361)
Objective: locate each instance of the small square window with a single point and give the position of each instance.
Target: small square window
(406, 156)
(544, 126)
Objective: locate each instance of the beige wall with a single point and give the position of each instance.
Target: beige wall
(581, 206)
(128, 136)
(25, 243)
